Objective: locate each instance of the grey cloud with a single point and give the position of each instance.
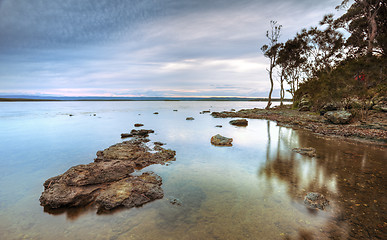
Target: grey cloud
(118, 44)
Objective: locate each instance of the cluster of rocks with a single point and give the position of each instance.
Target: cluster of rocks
(108, 182)
(140, 133)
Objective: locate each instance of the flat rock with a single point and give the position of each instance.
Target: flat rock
(190, 118)
(219, 140)
(309, 151)
(131, 192)
(239, 122)
(315, 201)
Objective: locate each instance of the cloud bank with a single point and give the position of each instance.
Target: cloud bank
(143, 47)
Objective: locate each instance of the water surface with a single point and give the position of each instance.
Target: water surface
(253, 190)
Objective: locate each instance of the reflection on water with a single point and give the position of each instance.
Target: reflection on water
(253, 190)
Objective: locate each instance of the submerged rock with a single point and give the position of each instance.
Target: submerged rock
(174, 201)
(338, 117)
(311, 152)
(239, 122)
(108, 181)
(219, 140)
(316, 201)
(218, 126)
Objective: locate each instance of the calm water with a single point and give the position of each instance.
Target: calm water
(253, 190)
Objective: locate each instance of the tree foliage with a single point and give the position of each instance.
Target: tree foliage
(320, 62)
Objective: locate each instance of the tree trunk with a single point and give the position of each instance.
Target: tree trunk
(271, 89)
(282, 92)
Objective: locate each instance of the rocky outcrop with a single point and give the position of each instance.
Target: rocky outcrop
(140, 133)
(315, 201)
(311, 152)
(338, 117)
(107, 182)
(219, 140)
(239, 122)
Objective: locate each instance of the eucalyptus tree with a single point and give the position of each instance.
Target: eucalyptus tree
(323, 49)
(271, 51)
(365, 20)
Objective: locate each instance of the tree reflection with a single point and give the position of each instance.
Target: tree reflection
(351, 176)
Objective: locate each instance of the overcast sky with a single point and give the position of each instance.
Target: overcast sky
(144, 47)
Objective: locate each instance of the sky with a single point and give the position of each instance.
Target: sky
(145, 48)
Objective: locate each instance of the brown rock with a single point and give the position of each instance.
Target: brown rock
(140, 133)
(239, 122)
(219, 140)
(131, 192)
(315, 201)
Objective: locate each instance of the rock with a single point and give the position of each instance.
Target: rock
(190, 118)
(138, 124)
(315, 201)
(159, 143)
(304, 109)
(108, 181)
(206, 111)
(137, 152)
(218, 126)
(96, 173)
(338, 117)
(305, 103)
(219, 140)
(311, 152)
(140, 133)
(239, 122)
(131, 192)
(71, 115)
(328, 107)
(175, 110)
(155, 113)
(232, 110)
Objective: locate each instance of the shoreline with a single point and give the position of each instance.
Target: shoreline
(373, 132)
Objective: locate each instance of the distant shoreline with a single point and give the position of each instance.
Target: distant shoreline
(90, 99)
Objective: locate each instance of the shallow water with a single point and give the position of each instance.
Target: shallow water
(253, 190)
